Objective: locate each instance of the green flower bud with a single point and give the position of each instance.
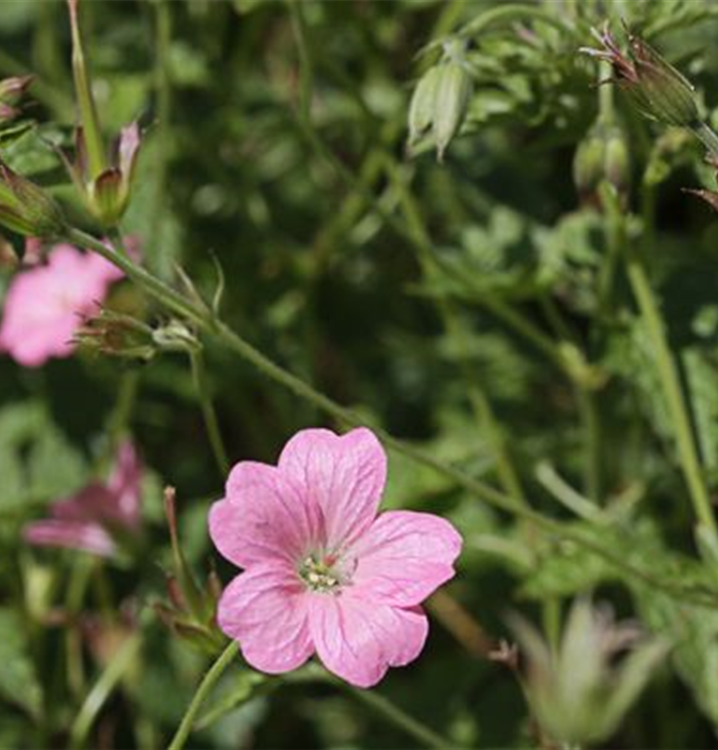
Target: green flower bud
(588, 163)
(26, 208)
(617, 161)
(655, 86)
(602, 155)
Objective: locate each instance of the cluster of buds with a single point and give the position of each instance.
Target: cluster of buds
(119, 335)
(11, 92)
(579, 692)
(441, 98)
(102, 178)
(655, 87)
(191, 611)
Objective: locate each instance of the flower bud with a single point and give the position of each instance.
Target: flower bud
(26, 208)
(116, 335)
(602, 155)
(655, 86)
(617, 163)
(11, 91)
(588, 163)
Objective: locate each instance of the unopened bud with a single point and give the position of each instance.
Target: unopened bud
(602, 155)
(26, 208)
(116, 335)
(617, 162)
(11, 91)
(655, 86)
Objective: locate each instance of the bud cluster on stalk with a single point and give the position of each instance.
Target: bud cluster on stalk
(440, 99)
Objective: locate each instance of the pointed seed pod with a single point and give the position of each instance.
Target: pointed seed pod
(453, 90)
(421, 109)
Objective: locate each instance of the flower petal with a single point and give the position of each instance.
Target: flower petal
(264, 516)
(124, 484)
(359, 640)
(404, 557)
(264, 609)
(346, 475)
(88, 537)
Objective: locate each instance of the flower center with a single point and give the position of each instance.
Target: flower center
(322, 574)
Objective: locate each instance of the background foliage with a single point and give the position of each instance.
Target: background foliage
(477, 307)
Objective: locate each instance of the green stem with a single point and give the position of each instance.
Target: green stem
(400, 719)
(126, 396)
(102, 689)
(380, 704)
(673, 393)
(593, 457)
(208, 412)
(208, 682)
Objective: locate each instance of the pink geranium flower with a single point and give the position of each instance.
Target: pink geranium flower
(323, 573)
(45, 304)
(91, 518)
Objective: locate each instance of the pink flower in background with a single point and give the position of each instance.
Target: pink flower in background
(323, 573)
(87, 520)
(45, 304)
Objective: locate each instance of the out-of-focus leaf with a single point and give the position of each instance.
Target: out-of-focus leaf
(18, 681)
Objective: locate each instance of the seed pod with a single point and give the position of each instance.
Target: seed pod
(421, 109)
(453, 90)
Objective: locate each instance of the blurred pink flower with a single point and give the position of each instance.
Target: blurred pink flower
(45, 304)
(88, 519)
(324, 573)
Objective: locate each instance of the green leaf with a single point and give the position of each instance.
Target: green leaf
(18, 681)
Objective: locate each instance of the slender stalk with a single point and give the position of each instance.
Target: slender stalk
(592, 446)
(673, 393)
(399, 718)
(102, 689)
(208, 682)
(209, 413)
(120, 416)
(381, 705)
